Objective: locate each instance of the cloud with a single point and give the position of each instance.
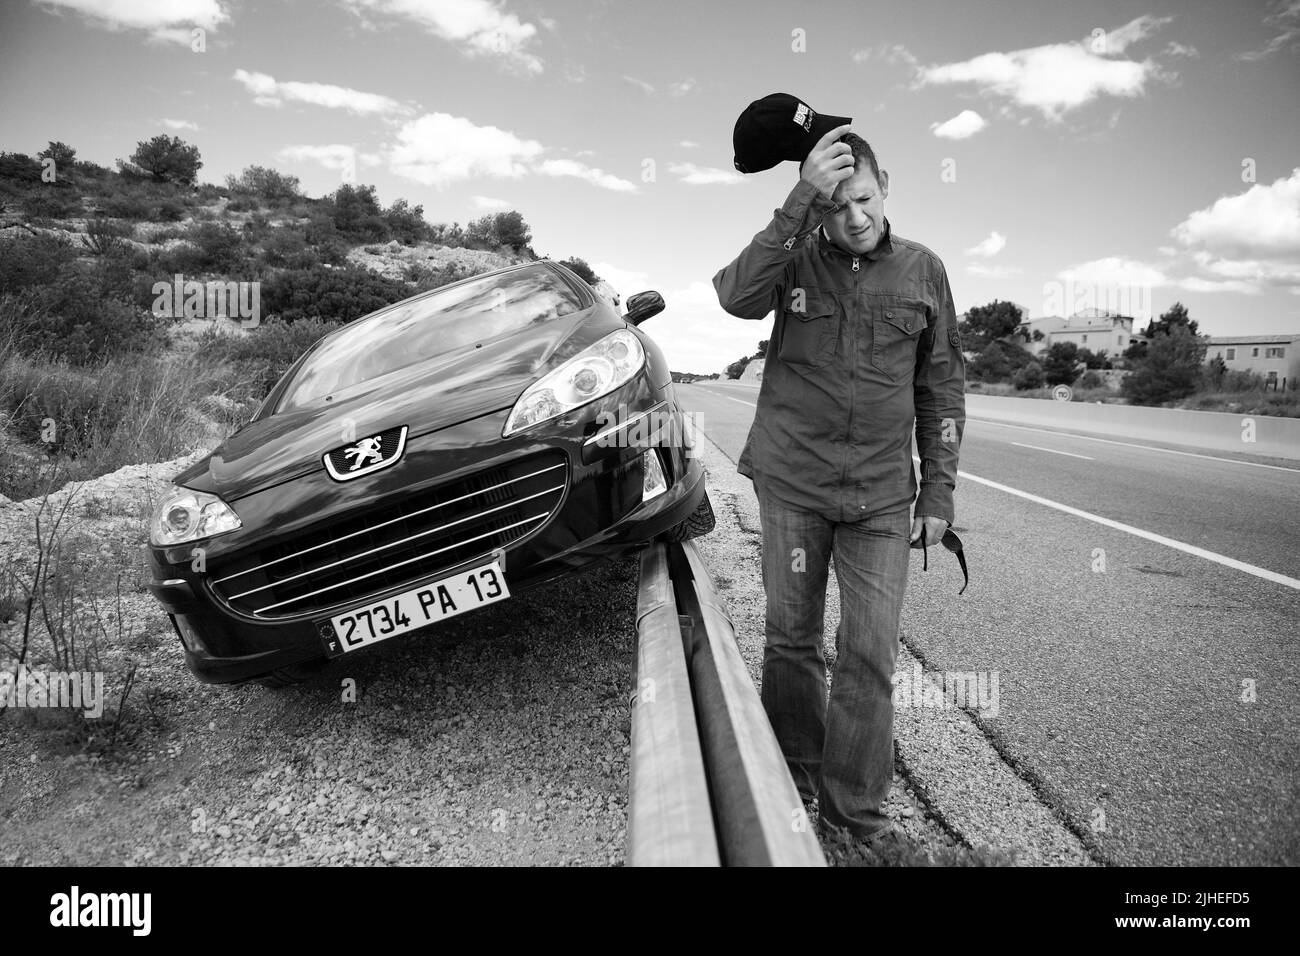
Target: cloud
(490, 204)
(988, 247)
(332, 156)
(478, 28)
(1058, 77)
(170, 21)
(695, 334)
(641, 85)
(893, 55)
(437, 149)
(983, 271)
(1284, 20)
(1113, 271)
(267, 91)
(962, 126)
(689, 144)
(694, 175)
(597, 177)
(179, 124)
(1262, 221)
(682, 87)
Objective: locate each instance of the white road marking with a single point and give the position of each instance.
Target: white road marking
(1111, 441)
(1186, 548)
(741, 400)
(1053, 451)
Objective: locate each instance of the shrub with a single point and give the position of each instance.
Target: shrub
(52, 202)
(268, 184)
(1091, 379)
(34, 261)
(344, 293)
(127, 206)
(104, 235)
(998, 362)
(169, 210)
(74, 321)
(255, 362)
(1031, 376)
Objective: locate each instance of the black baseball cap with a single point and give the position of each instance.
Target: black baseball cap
(776, 128)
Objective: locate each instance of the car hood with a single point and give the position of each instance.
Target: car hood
(427, 396)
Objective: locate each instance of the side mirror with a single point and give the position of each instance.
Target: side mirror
(642, 306)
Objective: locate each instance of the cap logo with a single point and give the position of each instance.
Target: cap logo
(803, 117)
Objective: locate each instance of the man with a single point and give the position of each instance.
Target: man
(865, 342)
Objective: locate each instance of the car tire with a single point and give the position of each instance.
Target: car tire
(700, 523)
(292, 675)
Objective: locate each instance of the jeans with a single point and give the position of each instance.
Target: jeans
(841, 750)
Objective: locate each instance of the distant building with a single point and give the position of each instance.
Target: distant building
(1092, 329)
(1275, 357)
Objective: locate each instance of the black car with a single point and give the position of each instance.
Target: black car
(437, 455)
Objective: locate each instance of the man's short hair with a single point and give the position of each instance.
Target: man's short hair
(862, 153)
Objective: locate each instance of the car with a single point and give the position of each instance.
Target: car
(443, 453)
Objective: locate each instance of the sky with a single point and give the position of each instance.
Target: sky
(1060, 155)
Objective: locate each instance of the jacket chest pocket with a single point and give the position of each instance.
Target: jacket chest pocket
(897, 325)
(808, 337)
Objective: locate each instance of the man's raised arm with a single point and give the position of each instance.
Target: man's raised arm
(749, 288)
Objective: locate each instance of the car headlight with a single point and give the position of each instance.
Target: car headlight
(595, 371)
(186, 515)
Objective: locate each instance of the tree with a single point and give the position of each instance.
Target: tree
(62, 154)
(1093, 359)
(736, 368)
(1170, 370)
(580, 267)
(168, 159)
(762, 346)
(1061, 363)
(1038, 335)
(357, 214)
(993, 321)
(512, 231)
(1175, 316)
(1031, 376)
(406, 222)
(997, 362)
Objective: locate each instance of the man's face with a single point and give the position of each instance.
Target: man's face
(861, 223)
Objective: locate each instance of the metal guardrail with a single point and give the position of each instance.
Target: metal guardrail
(709, 786)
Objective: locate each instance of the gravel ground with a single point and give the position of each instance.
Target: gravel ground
(486, 741)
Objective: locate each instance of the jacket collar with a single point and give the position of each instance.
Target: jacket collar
(883, 248)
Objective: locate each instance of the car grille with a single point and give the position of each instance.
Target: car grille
(382, 548)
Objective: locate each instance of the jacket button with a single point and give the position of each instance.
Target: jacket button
(888, 314)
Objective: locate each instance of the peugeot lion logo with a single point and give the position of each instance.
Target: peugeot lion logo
(366, 456)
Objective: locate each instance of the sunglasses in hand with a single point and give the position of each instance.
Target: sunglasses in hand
(953, 544)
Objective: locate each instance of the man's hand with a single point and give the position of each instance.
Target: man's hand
(934, 529)
(829, 163)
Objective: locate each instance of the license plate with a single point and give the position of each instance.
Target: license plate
(414, 609)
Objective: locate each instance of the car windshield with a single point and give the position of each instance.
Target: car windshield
(421, 328)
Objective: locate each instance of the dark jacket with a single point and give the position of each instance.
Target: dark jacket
(861, 347)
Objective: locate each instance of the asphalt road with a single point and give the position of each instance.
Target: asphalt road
(1141, 609)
